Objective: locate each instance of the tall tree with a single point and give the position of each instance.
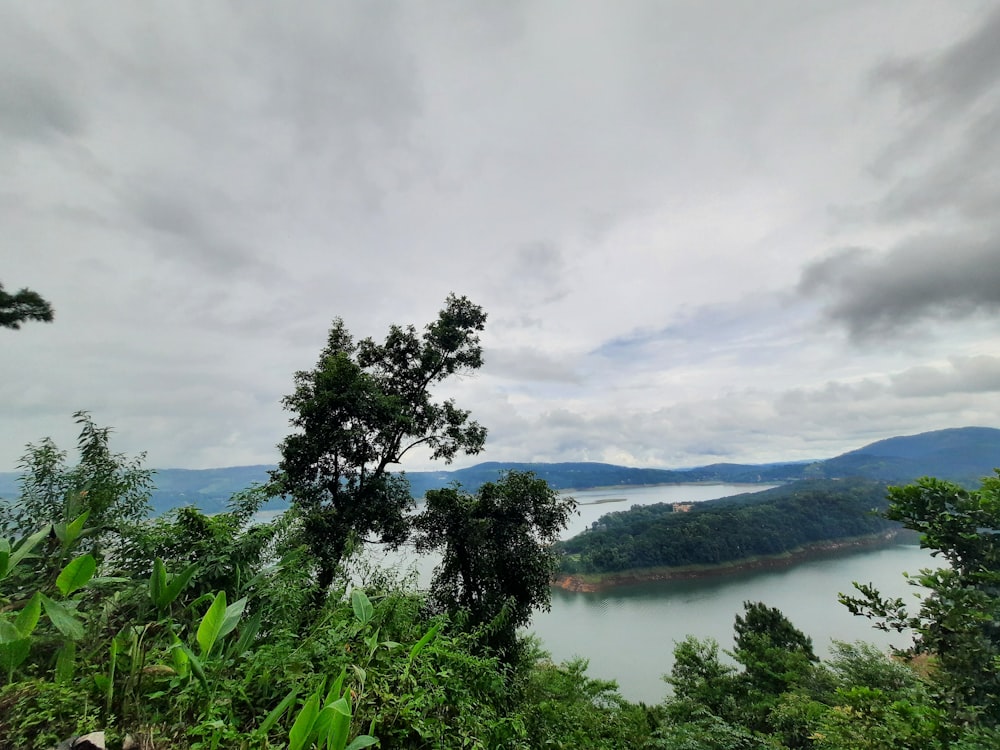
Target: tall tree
(498, 554)
(773, 651)
(21, 307)
(359, 411)
(958, 621)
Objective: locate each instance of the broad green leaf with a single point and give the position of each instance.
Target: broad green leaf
(247, 634)
(66, 662)
(301, 730)
(25, 547)
(75, 528)
(336, 688)
(27, 618)
(64, 620)
(233, 614)
(362, 605)
(157, 582)
(13, 653)
(422, 643)
(211, 623)
(362, 741)
(176, 586)
(4, 557)
(277, 712)
(322, 725)
(9, 632)
(179, 655)
(196, 666)
(76, 574)
(60, 530)
(340, 724)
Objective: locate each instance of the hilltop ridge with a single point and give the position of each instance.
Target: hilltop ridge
(962, 455)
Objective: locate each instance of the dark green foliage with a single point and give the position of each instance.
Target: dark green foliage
(362, 408)
(497, 551)
(21, 307)
(565, 710)
(36, 714)
(774, 653)
(709, 733)
(729, 529)
(701, 682)
(776, 657)
(112, 488)
(958, 623)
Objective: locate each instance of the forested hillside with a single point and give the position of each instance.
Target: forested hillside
(962, 455)
(729, 529)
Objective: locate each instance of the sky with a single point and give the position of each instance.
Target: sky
(751, 230)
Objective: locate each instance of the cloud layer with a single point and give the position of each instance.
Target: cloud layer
(756, 235)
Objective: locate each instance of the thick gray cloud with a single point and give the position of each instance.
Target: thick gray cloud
(956, 78)
(928, 278)
(940, 178)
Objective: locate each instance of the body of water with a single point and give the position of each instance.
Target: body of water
(628, 634)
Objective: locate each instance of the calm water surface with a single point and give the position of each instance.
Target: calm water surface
(628, 634)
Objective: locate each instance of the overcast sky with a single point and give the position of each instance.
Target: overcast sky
(703, 231)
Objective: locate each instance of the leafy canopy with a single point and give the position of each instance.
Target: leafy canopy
(21, 307)
(360, 410)
(497, 547)
(958, 621)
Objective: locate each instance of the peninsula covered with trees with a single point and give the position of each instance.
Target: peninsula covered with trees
(835, 504)
(729, 530)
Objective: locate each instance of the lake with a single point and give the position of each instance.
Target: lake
(628, 634)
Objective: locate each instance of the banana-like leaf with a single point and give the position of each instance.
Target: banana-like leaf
(362, 741)
(27, 618)
(232, 617)
(302, 729)
(4, 557)
(336, 688)
(277, 712)
(196, 666)
(322, 725)
(25, 548)
(66, 662)
(13, 653)
(340, 724)
(175, 586)
(179, 655)
(422, 643)
(64, 620)
(363, 609)
(9, 632)
(211, 623)
(76, 574)
(75, 528)
(157, 581)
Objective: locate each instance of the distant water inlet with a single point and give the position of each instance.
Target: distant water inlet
(628, 634)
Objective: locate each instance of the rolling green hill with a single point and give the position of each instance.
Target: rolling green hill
(962, 455)
(730, 529)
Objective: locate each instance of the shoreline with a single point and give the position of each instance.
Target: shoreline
(596, 582)
(698, 483)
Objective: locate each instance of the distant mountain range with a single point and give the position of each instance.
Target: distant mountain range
(962, 455)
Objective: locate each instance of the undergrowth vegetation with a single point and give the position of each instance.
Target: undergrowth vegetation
(202, 632)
